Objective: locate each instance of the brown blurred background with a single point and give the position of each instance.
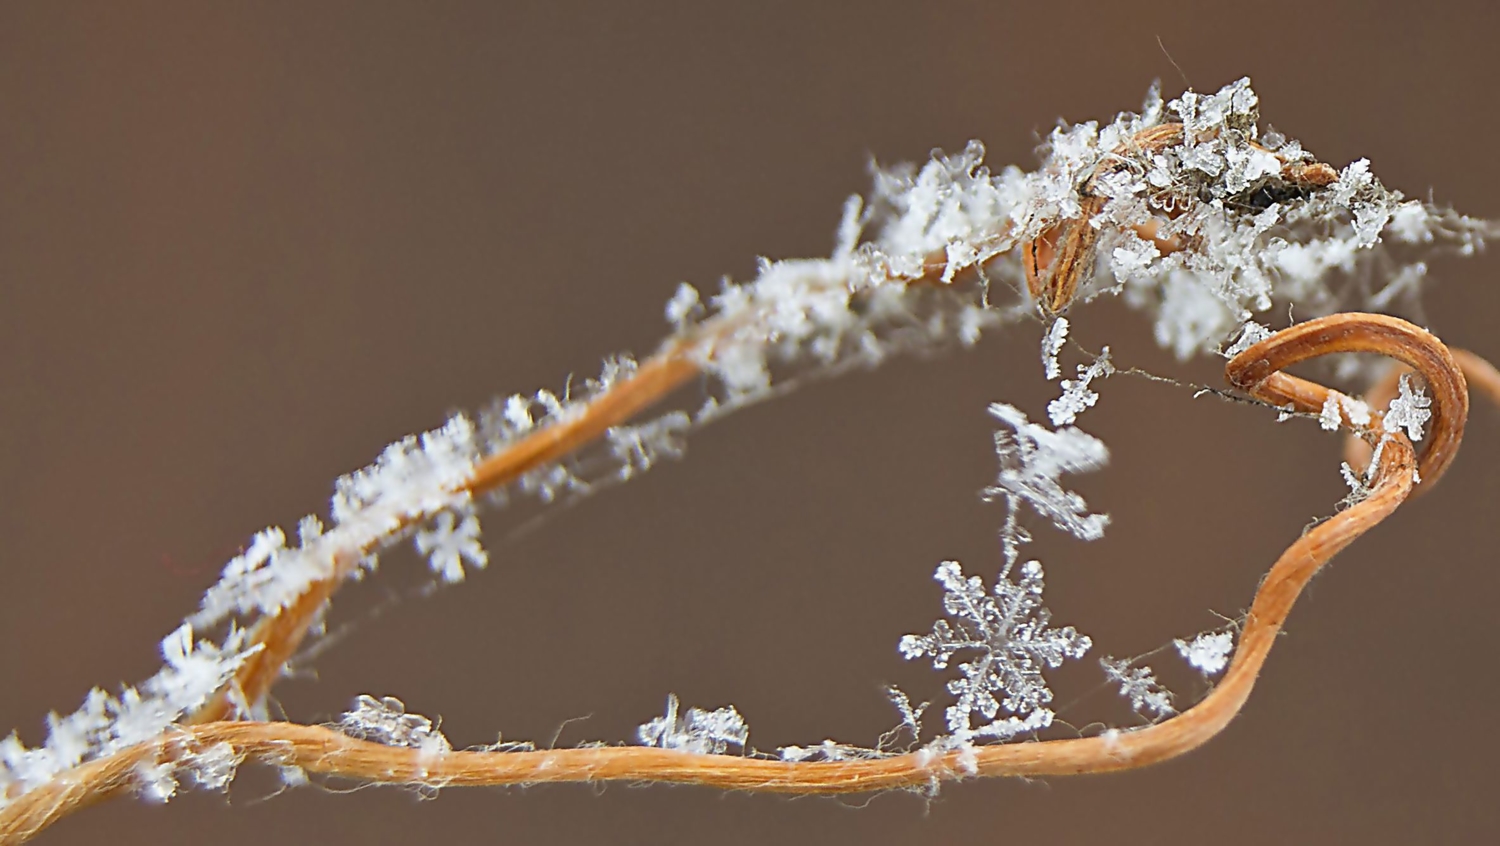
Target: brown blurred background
(243, 246)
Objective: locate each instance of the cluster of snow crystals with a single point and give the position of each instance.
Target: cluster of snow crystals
(698, 731)
(386, 721)
(193, 671)
(1208, 653)
(1237, 219)
(855, 308)
(1410, 410)
(415, 479)
(211, 768)
(1138, 684)
(1033, 457)
(1012, 639)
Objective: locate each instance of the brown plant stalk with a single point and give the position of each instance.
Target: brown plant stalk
(1257, 371)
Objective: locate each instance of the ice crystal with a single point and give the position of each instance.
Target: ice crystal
(1139, 685)
(1410, 410)
(1359, 488)
(386, 721)
(214, 767)
(1077, 397)
(1011, 638)
(1208, 653)
(683, 305)
(636, 448)
(698, 731)
(1330, 419)
(451, 541)
(1033, 457)
(1052, 344)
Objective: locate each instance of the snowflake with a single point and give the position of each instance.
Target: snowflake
(698, 731)
(1032, 457)
(637, 447)
(1052, 344)
(683, 305)
(1077, 397)
(1139, 685)
(449, 543)
(1208, 652)
(1330, 419)
(386, 721)
(1011, 633)
(1409, 410)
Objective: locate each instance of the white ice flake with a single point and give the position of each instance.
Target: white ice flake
(1330, 419)
(387, 721)
(1052, 344)
(1409, 410)
(213, 768)
(449, 542)
(1139, 685)
(156, 780)
(1251, 334)
(1357, 411)
(1011, 639)
(1033, 457)
(1208, 653)
(683, 305)
(1077, 397)
(698, 731)
(638, 446)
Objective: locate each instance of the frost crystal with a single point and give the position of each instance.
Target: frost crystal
(1052, 344)
(698, 731)
(1208, 652)
(449, 542)
(1359, 489)
(638, 447)
(1139, 685)
(156, 781)
(1330, 419)
(386, 721)
(1409, 410)
(683, 305)
(214, 767)
(1011, 633)
(1077, 397)
(1032, 457)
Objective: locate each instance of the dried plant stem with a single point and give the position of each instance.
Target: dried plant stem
(324, 750)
